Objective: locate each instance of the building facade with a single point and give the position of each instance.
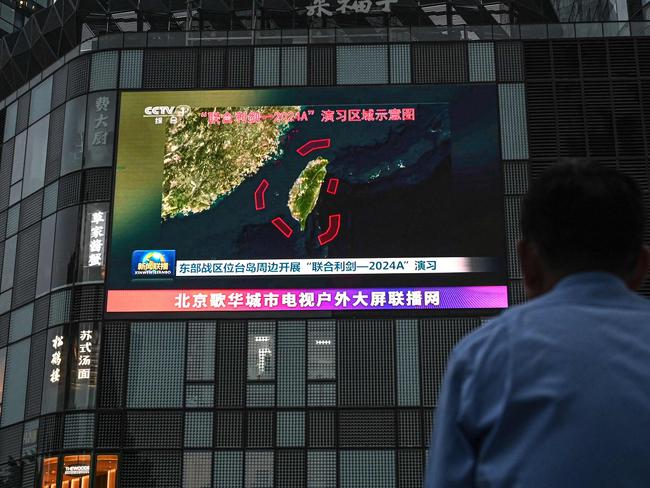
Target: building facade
(90, 399)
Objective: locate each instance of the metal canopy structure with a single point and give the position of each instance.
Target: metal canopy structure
(52, 32)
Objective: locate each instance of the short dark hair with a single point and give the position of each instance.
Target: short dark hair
(582, 216)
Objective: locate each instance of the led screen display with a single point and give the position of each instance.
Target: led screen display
(308, 199)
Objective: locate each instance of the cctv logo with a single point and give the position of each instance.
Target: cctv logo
(167, 111)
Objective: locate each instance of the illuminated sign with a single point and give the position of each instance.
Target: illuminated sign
(96, 238)
(56, 359)
(308, 200)
(251, 300)
(77, 470)
(153, 263)
(85, 349)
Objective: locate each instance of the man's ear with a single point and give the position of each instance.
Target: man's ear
(532, 269)
(640, 271)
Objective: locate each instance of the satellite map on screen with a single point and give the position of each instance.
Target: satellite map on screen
(305, 181)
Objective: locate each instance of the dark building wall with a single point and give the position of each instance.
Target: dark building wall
(174, 398)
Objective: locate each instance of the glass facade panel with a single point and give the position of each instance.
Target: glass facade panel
(197, 470)
(228, 469)
(15, 193)
(41, 100)
(73, 135)
(10, 121)
(21, 322)
(156, 365)
(19, 157)
(3, 358)
(8, 264)
(63, 265)
(201, 338)
(35, 156)
(45, 252)
(13, 402)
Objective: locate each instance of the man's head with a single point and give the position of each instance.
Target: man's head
(580, 216)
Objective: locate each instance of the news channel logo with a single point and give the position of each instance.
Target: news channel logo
(153, 263)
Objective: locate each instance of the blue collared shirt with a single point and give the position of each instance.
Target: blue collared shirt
(554, 393)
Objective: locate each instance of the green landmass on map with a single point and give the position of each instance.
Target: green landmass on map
(305, 190)
(204, 163)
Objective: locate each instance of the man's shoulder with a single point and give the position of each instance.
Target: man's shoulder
(498, 329)
(499, 333)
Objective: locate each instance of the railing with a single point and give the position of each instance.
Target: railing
(367, 35)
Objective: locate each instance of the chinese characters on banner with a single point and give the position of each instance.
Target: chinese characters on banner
(307, 300)
(321, 299)
(56, 359)
(319, 266)
(84, 352)
(325, 115)
(318, 8)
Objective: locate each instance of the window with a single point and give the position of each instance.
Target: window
(73, 135)
(106, 471)
(45, 255)
(35, 156)
(50, 469)
(3, 357)
(63, 265)
(13, 404)
(21, 322)
(40, 102)
(19, 157)
(76, 472)
(8, 265)
(10, 121)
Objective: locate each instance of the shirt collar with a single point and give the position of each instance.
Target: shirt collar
(591, 279)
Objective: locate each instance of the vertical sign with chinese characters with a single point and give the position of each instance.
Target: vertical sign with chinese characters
(100, 129)
(56, 358)
(85, 349)
(94, 242)
(54, 377)
(83, 371)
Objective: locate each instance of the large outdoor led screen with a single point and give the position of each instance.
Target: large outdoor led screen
(308, 199)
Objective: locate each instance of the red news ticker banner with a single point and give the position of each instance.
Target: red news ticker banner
(328, 299)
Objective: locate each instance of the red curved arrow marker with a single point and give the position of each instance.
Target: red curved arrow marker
(332, 230)
(282, 226)
(332, 186)
(313, 145)
(260, 203)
